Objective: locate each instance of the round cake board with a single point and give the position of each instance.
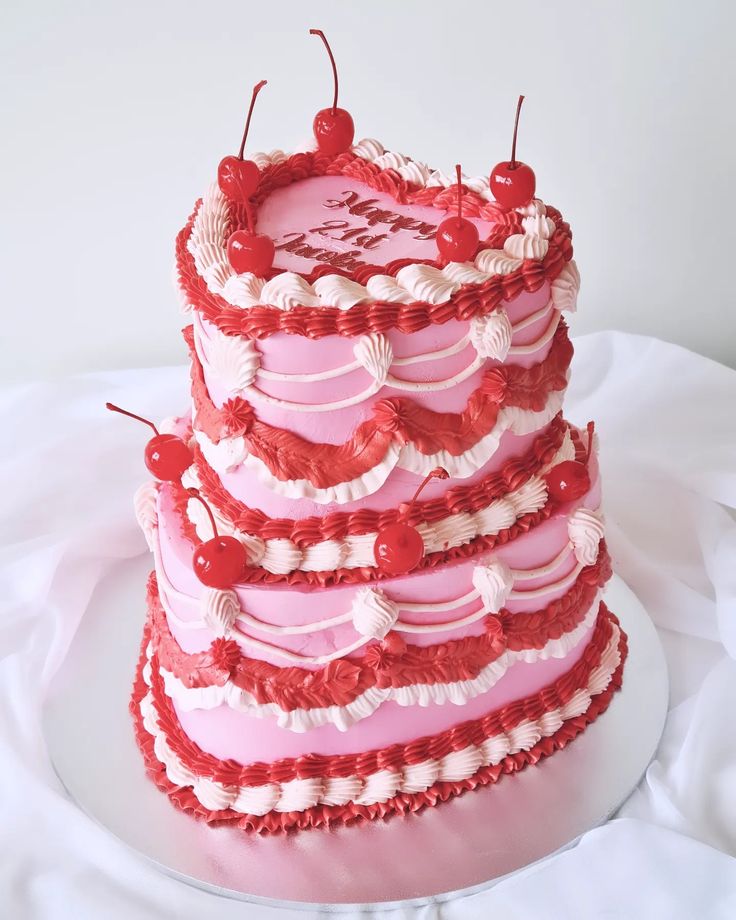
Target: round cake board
(462, 846)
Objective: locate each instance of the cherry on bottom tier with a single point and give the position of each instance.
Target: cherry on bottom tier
(278, 706)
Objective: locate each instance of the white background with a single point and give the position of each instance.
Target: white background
(114, 116)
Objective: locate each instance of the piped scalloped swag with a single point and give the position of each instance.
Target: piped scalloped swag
(288, 456)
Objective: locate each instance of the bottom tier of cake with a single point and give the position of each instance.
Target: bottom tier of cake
(315, 790)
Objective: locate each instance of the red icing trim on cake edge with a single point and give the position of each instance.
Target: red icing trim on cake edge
(403, 803)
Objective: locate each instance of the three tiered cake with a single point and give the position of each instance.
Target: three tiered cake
(321, 646)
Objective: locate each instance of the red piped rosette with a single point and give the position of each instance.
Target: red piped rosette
(372, 316)
(341, 681)
(552, 697)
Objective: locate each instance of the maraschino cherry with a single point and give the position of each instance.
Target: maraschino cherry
(570, 480)
(333, 127)
(457, 237)
(513, 183)
(399, 547)
(248, 251)
(221, 561)
(167, 456)
(238, 178)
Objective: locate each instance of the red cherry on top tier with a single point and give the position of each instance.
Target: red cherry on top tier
(167, 456)
(221, 561)
(333, 127)
(457, 237)
(570, 480)
(513, 183)
(399, 547)
(238, 178)
(248, 251)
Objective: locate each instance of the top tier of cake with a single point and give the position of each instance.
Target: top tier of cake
(362, 362)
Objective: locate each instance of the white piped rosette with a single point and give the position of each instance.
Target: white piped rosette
(585, 529)
(491, 334)
(375, 354)
(565, 287)
(220, 609)
(232, 359)
(373, 613)
(494, 582)
(144, 505)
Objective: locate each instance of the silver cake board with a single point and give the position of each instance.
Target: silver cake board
(460, 847)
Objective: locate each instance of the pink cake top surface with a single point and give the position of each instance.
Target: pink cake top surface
(337, 214)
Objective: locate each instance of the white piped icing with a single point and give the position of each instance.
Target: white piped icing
(523, 246)
(494, 581)
(232, 359)
(426, 283)
(375, 354)
(491, 334)
(144, 506)
(496, 262)
(565, 287)
(289, 290)
(243, 290)
(300, 794)
(220, 609)
(339, 291)
(373, 613)
(585, 528)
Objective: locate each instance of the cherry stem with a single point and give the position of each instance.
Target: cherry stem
(512, 164)
(195, 494)
(139, 418)
(459, 192)
(437, 473)
(332, 61)
(590, 429)
(256, 89)
(249, 216)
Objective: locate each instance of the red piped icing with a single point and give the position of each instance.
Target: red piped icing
(339, 524)
(372, 316)
(228, 772)
(447, 662)
(287, 455)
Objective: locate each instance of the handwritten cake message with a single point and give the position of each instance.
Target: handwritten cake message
(322, 220)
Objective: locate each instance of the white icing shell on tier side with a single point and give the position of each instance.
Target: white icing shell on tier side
(416, 282)
(300, 794)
